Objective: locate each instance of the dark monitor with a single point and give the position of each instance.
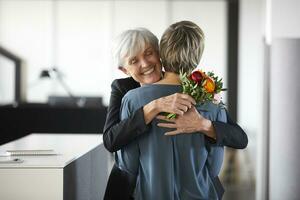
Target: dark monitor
(83, 101)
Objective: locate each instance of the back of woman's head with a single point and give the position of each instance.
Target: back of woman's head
(181, 47)
(130, 42)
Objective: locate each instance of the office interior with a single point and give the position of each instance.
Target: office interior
(56, 71)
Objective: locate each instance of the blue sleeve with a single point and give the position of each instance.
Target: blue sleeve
(222, 115)
(126, 108)
(127, 158)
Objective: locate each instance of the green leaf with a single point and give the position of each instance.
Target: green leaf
(171, 116)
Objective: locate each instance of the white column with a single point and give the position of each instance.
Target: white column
(284, 119)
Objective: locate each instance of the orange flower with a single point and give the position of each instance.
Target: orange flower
(209, 85)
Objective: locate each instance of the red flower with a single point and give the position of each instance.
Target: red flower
(197, 76)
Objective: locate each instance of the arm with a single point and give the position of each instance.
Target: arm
(223, 134)
(125, 131)
(118, 133)
(230, 134)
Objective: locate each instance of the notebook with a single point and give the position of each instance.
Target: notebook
(36, 152)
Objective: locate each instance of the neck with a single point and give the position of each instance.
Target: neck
(170, 78)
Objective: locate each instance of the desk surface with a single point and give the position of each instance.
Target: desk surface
(68, 146)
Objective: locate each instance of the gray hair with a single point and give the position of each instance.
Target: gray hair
(181, 47)
(130, 42)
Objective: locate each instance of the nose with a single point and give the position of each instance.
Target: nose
(144, 62)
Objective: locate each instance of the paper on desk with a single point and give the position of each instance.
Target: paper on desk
(30, 152)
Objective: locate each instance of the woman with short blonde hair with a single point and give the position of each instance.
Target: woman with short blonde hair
(181, 47)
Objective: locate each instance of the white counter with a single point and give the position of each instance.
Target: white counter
(79, 171)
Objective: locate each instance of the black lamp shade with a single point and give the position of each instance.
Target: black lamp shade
(45, 74)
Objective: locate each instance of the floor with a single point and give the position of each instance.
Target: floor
(237, 176)
(239, 192)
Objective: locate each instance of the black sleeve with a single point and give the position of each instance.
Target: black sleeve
(230, 134)
(116, 133)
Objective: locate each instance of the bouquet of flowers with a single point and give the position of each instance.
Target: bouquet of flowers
(200, 85)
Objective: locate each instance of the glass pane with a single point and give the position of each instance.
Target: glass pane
(7, 81)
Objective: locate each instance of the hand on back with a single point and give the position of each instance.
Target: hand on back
(177, 103)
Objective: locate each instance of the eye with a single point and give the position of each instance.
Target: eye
(132, 61)
(149, 53)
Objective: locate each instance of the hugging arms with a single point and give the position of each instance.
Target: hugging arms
(145, 68)
(117, 134)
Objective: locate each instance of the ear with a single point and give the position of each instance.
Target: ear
(124, 70)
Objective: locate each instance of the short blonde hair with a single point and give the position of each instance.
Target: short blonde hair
(130, 42)
(181, 47)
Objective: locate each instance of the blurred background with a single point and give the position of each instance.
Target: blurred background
(55, 60)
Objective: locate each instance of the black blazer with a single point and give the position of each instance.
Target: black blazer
(117, 134)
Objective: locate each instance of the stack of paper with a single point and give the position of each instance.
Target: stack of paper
(37, 152)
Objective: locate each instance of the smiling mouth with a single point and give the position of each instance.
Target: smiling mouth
(148, 71)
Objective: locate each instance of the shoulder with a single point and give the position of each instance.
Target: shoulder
(149, 92)
(143, 91)
(209, 106)
(133, 93)
(124, 84)
(136, 97)
(130, 101)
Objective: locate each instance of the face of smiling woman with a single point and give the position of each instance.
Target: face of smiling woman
(145, 67)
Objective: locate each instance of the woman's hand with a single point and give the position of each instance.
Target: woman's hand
(190, 122)
(177, 103)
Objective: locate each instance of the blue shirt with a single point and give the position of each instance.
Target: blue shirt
(170, 167)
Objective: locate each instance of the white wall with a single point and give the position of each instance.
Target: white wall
(285, 17)
(284, 116)
(215, 29)
(284, 119)
(24, 30)
(250, 80)
(260, 20)
(83, 36)
(75, 36)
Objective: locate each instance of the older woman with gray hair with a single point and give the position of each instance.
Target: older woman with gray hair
(136, 53)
